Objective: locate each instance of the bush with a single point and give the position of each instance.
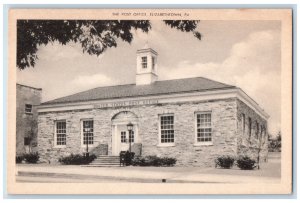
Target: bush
(77, 159)
(225, 161)
(153, 161)
(19, 159)
(246, 163)
(167, 161)
(31, 157)
(274, 146)
(139, 161)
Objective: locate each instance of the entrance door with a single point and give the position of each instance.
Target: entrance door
(120, 134)
(125, 138)
(122, 139)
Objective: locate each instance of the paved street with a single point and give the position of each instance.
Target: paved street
(269, 173)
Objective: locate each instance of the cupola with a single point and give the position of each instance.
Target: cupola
(146, 69)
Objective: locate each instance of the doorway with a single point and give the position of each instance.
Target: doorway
(121, 138)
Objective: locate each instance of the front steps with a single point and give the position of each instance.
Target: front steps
(105, 161)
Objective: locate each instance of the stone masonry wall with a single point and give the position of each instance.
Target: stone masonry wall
(250, 144)
(26, 123)
(46, 125)
(186, 153)
(224, 132)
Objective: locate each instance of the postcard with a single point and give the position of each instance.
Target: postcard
(149, 101)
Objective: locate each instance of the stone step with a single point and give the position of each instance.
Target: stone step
(107, 158)
(98, 165)
(106, 161)
(101, 165)
(107, 165)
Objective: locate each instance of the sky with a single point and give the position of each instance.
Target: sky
(246, 54)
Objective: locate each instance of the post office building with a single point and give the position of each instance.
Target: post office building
(193, 120)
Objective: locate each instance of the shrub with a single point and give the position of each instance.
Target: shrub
(153, 161)
(246, 163)
(167, 161)
(77, 159)
(224, 161)
(19, 159)
(139, 161)
(31, 157)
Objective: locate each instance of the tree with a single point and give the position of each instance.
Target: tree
(278, 136)
(275, 143)
(95, 36)
(262, 139)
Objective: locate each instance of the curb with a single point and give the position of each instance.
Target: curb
(109, 178)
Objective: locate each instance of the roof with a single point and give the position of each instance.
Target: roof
(18, 84)
(132, 90)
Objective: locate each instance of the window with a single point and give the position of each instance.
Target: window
(257, 130)
(153, 63)
(26, 141)
(167, 129)
(204, 127)
(123, 137)
(88, 132)
(261, 130)
(243, 123)
(28, 108)
(249, 126)
(131, 136)
(144, 62)
(60, 133)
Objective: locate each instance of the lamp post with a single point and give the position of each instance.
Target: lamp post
(129, 128)
(87, 130)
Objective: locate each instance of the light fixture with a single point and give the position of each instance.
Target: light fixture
(129, 126)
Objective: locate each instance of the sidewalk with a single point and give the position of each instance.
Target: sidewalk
(269, 173)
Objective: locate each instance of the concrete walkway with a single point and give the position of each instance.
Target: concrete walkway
(269, 173)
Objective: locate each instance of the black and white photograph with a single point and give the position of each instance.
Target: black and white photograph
(160, 99)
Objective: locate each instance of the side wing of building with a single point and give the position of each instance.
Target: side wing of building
(27, 98)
